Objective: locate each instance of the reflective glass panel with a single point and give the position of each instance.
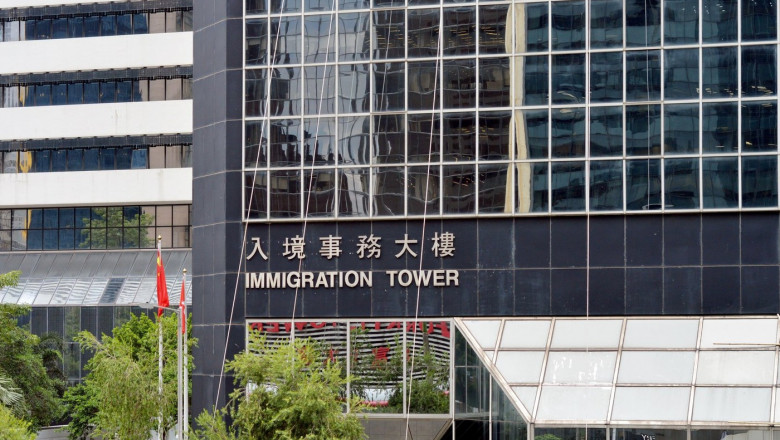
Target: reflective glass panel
(759, 20)
(731, 404)
(643, 184)
(568, 186)
(423, 33)
(320, 89)
(460, 31)
(656, 403)
(319, 39)
(354, 140)
(286, 40)
(460, 137)
(736, 368)
(533, 187)
(492, 29)
(256, 41)
(606, 131)
(354, 36)
(643, 75)
(286, 92)
(389, 30)
(285, 142)
(681, 180)
(535, 83)
(537, 24)
(354, 88)
(606, 23)
(354, 192)
(643, 23)
(719, 72)
(423, 190)
(606, 185)
(494, 82)
(606, 77)
(493, 188)
(319, 141)
(256, 202)
(568, 132)
(720, 182)
(719, 127)
(656, 367)
(681, 21)
(759, 181)
(573, 403)
(756, 331)
(759, 126)
(319, 195)
(568, 25)
(759, 70)
(423, 138)
(643, 130)
(389, 86)
(285, 191)
(389, 138)
(460, 83)
(255, 98)
(568, 79)
(719, 21)
(459, 189)
(532, 127)
(681, 129)
(388, 191)
(681, 74)
(520, 366)
(494, 136)
(423, 85)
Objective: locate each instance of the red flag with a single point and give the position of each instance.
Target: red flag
(162, 288)
(182, 305)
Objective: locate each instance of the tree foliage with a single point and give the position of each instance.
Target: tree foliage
(14, 428)
(30, 364)
(113, 228)
(285, 391)
(119, 398)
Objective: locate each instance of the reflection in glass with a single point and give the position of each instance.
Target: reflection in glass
(472, 391)
(423, 35)
(389, 138)
(681, 21)
(681, 183)
(568, 79)
(319, 195)
(255, 145)
(460, 136)
(319, 141)
(568, 23)
(720, 182)
(388, 191)
(606, 131)
(389, 34)
(319, 43)
(568, 132)
(494, 135)
(423, 190)
(643, 130)
(536, 28)
(719, 72)
(643, 184)
(719, 127)
(255, 7)
(606, 76)
(255, 92)
(719, 21)
(460, 31)
(286, 91)
(643, 23)
(460, 83)
(493, 186)
(354, 37)
(354, 140)
(759, 70)
(285, 142)
(354, 193)
(759, 20)
(533, 71)
(681, 129)
(568, 186)
(506, 422)
(285, 190)
(643, 75)
(681, 74)
(459, 189)
(354, 88)
(494, 82)
(572, 433)
(759, 126)
(320, 89)
(492, 29)
(606, 23)
(759, 181)
(286, 40)
(423, 85)
(389, 86)
(423, 138)
(606, 185)
(532, 133)
(644, 433)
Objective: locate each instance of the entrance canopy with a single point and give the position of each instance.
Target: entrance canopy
(677, 372)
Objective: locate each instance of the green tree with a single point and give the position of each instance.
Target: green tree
(119, 398)
(289, 391)
(113, 228)
(30, 363)
(14, 428)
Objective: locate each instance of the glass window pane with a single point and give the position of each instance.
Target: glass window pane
(656, 367)
(533, 187)
(493, 188)
(494, 82)
(492, 29)
(759, 126)
(123, 158)
(107, 161)
(460, 29)
(568, 23)
(92, 26)
(643, 23)
(681, 180)
(354, 88)
(285, 191)
(59, 94)
(681, 129)
(568, 132)
(139, 159)
(140, 23)
(643, 184)
(681, 74)
(759, 20)
(59, 160)
(534, 72)
(108, 25)
(354, 145)
(564, 368)
(759, 181)
(319, 141)
(460, 137)
(423, 33)
(156, 22)
(568, 79)
(354, 36)
(606, 131)
(459, 189)
(719, 21)
(643, 75)
(124, 91)
(494, 136)
(320, 87)
(520, 367)
(735, 368)
(423, 138)
(719, 127)
(354, 192)
(606, 185)
(646, 403)
(91, 93)
(91, 159)
(568, 186)
(759, 70)
(606, 77)
(287, 39)
(388, 188)
(75, 27)
(661, 333)
(423, 190)
(286, 92)
(719, 72)
(256, 86)
(606, 23)
(573, 403)
(532, 134)
(124, 24)
(681, 21)
(59, 28)
(720, 182)
(731, 404)
(156, 90)
(643, 130)
(42, 161)
(389, 30)
(75, 93)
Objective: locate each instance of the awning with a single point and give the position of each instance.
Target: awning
(676, 372)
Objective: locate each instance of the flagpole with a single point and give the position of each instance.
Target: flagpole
(160, 345)
(185, 376)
